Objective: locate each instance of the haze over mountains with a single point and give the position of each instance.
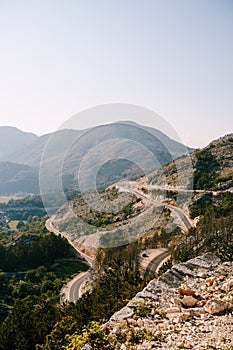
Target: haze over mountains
(21, 153)
(12, 139)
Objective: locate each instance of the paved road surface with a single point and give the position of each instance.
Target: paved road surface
(50, 227)
(72, 291)
(183, 217)
(154, 264)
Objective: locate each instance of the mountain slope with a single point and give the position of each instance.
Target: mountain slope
(31, 156)
(214, 165)
(13, 139)
(154, 205)
(83, 140)
(123, 150)
(174, 147)
(15, 178)
(118, 149)
(207, 197)
(169, 314)
(212, 168)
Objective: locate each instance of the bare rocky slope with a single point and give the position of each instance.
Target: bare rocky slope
(188, 307)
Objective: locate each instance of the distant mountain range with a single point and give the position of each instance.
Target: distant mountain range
(13, 139)
(115, 147)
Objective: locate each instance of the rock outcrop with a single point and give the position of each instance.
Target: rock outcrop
(188, 307)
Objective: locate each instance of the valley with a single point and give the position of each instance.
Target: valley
(116, 175)
(105, 246)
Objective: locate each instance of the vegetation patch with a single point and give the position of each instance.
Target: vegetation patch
(22, 209)
(220, 204)
(205, 174)
(111, 199)
(6, 199)
(68, 268)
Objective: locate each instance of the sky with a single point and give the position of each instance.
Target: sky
(174, 57)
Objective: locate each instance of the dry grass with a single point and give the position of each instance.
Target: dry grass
(6, 199)
(13, 224)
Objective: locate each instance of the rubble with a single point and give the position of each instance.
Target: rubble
(189, 307)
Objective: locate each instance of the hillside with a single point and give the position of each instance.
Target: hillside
(212, 166)
(189, 307)
(123, 149)
(61, 141)
(31, 156)
(18, 178)
(151, 207)
(62, 152)
(13, 139)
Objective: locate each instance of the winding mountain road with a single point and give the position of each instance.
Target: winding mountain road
(51, 228)
(154, 264)
(187, 223)
(184, 218)
(72, 290)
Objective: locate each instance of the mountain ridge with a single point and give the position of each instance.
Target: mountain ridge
(69, 146)
(12, 138)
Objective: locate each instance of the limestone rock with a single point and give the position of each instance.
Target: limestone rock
(135, 301)
(207, 261)
(172, 310)
(215, 306)
(189, 309)
(123, 347)
(189, 301)
(228, 285)
(124, 313)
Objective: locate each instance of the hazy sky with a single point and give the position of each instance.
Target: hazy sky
(173, 56)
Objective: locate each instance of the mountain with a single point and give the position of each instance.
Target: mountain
(17, 178)
(134, 221)
(116, 150)
(212, 167)
(59, 141)
(174, 147)
(13, 139)
(193, 192)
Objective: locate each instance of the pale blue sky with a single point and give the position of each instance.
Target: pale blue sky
(172, 56)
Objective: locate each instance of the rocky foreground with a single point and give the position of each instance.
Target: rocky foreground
(188, 307)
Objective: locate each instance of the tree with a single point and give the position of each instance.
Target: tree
(28, 325)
